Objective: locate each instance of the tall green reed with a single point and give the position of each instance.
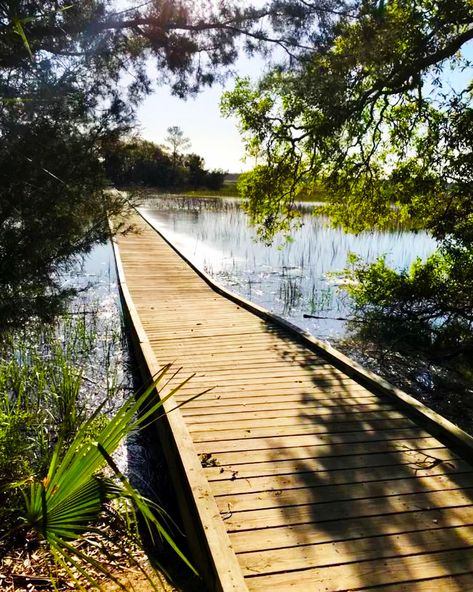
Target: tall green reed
(62, 415)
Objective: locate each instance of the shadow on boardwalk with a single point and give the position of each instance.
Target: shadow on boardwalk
(347, 492)
(322, 485)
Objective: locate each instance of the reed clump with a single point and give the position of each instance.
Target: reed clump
(67, 508)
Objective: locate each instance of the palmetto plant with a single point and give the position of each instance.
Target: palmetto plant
(69, 501)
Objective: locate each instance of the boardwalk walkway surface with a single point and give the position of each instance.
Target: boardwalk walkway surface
(321, 484)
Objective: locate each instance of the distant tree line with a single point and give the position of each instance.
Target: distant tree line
(139, 162)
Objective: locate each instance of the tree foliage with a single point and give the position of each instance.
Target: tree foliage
(370, 104)
(71, 74)
(370, 113)
(137, 162)
(52, 203)
(64, 99)
(432, 300)
(191, 43)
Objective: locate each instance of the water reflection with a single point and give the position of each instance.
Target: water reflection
(290, 279)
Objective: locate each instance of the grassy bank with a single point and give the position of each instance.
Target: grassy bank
(68, 514)
(229, 189)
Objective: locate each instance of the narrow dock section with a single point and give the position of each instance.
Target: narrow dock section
(305, 477)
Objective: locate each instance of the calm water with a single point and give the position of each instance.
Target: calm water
(290, 279)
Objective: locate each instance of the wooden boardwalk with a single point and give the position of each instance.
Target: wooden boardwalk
(320, 484)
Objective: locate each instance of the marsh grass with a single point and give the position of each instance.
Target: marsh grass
(62, 386)
(64, 412)
(40, 402)
(47, 376)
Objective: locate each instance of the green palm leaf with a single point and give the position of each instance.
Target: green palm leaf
(71, 497)
(18, 28)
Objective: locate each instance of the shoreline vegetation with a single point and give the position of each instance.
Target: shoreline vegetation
(229, 188)
(66, 403)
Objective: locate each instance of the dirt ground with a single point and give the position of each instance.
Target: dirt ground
(136, 581)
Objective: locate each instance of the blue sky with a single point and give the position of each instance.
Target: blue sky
(212, 136)
(215, 138)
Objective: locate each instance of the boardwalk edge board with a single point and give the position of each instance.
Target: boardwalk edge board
(218, 563)
(438, 424)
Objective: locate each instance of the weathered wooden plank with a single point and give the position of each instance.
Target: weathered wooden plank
(412, 460)
(362, 549)
(272, 341)
(241, 482)
(296, 428)
(279, 348)
(213, 422)
(196, 334)
(322, 380)
(281, 390)
(340, 510)
(318, 492)
(252, 358)
(228, 410)
(348, 529)
(340, 578)
(461, 583)
(215, 402)
(323, 451)
(274, 444)
(278, 369)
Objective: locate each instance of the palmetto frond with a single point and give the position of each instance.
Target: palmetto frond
(70, 499)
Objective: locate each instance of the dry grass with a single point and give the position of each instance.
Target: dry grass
(31, 568)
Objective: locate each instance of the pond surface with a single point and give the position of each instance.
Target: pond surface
(94, 276)
(290, 279)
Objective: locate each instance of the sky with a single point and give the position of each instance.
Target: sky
(212, 136)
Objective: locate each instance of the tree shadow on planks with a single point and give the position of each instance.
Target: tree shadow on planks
(348, 493)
